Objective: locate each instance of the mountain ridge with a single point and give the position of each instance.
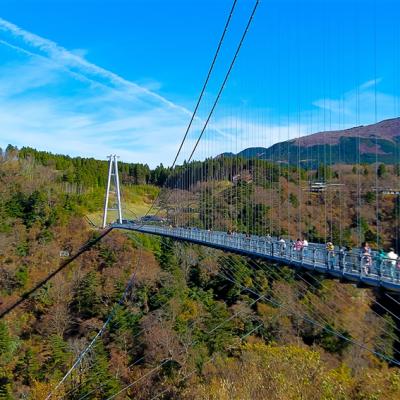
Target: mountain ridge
(366, 144)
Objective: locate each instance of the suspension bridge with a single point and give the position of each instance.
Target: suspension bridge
(256, 207)
(350, 265)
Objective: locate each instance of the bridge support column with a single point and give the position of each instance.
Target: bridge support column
(113, 179)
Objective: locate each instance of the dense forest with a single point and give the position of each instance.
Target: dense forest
(196, 323)
(347, 204)
(86, 172)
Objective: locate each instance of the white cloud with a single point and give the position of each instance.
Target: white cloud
(362, 105)
(54, 99)
(371, 83)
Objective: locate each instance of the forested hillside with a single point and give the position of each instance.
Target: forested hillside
(349, 204)
(196, 324)
(85, 171)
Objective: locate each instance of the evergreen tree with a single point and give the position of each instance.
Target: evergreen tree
(100, 383)
(5, 387)
(7, 344)
(59, 352)
(87, 296)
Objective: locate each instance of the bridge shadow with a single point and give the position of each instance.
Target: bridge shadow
(25, 296)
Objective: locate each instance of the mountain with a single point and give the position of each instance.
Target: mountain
(363, 144)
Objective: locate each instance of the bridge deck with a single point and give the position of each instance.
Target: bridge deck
(348, 266)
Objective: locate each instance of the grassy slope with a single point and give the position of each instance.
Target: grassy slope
(136, 201)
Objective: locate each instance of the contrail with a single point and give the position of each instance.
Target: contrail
(67, 59)
(82, 69)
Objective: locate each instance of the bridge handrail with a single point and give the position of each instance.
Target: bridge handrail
(352, 264)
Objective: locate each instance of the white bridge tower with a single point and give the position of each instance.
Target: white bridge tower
(112, 187)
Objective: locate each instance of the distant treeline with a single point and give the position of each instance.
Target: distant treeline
(88, 171)
(93, 173)
(261, 172)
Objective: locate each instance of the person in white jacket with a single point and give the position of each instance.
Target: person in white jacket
(392, 260)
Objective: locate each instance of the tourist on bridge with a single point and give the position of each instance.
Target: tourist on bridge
(298, 248)
(330, 255)
(393, 260)
(366, 259)
(342, 257)
(282, 246)
(398, 267)
(305, 246)
(380, 261)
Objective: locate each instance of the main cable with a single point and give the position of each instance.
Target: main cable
(225, 79)
(206, 81)
(211, 68)
(215, 101)
(99, 333)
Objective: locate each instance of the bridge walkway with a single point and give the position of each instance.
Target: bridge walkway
(345, 265)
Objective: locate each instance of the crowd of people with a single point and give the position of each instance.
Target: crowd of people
(386, 262)
(380, 262)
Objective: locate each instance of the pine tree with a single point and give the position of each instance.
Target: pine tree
(87, 297)
(381, 171)
(28, 367)
(59, 351)
(7, 344)
(100, 382)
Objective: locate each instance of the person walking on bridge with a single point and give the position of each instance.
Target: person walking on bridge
(281, 246)
(298, 248)
(342, 257)
(305, 247)
(366, 259)
(393, 260)
(380, 262)
(330, 255)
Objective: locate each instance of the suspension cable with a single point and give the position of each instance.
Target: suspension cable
(99, 333)
(225, 79)
(205, 82)
(211, 68)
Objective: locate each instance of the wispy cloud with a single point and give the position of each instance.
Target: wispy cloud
(364, 104)
(55, 99)
(49, 95)
(72, 60)
(370, 84)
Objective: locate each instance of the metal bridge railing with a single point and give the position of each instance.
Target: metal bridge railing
(371, 270)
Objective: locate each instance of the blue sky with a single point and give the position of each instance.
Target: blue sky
(91, 77)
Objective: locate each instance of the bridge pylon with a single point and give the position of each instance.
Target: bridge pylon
(112, 187)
